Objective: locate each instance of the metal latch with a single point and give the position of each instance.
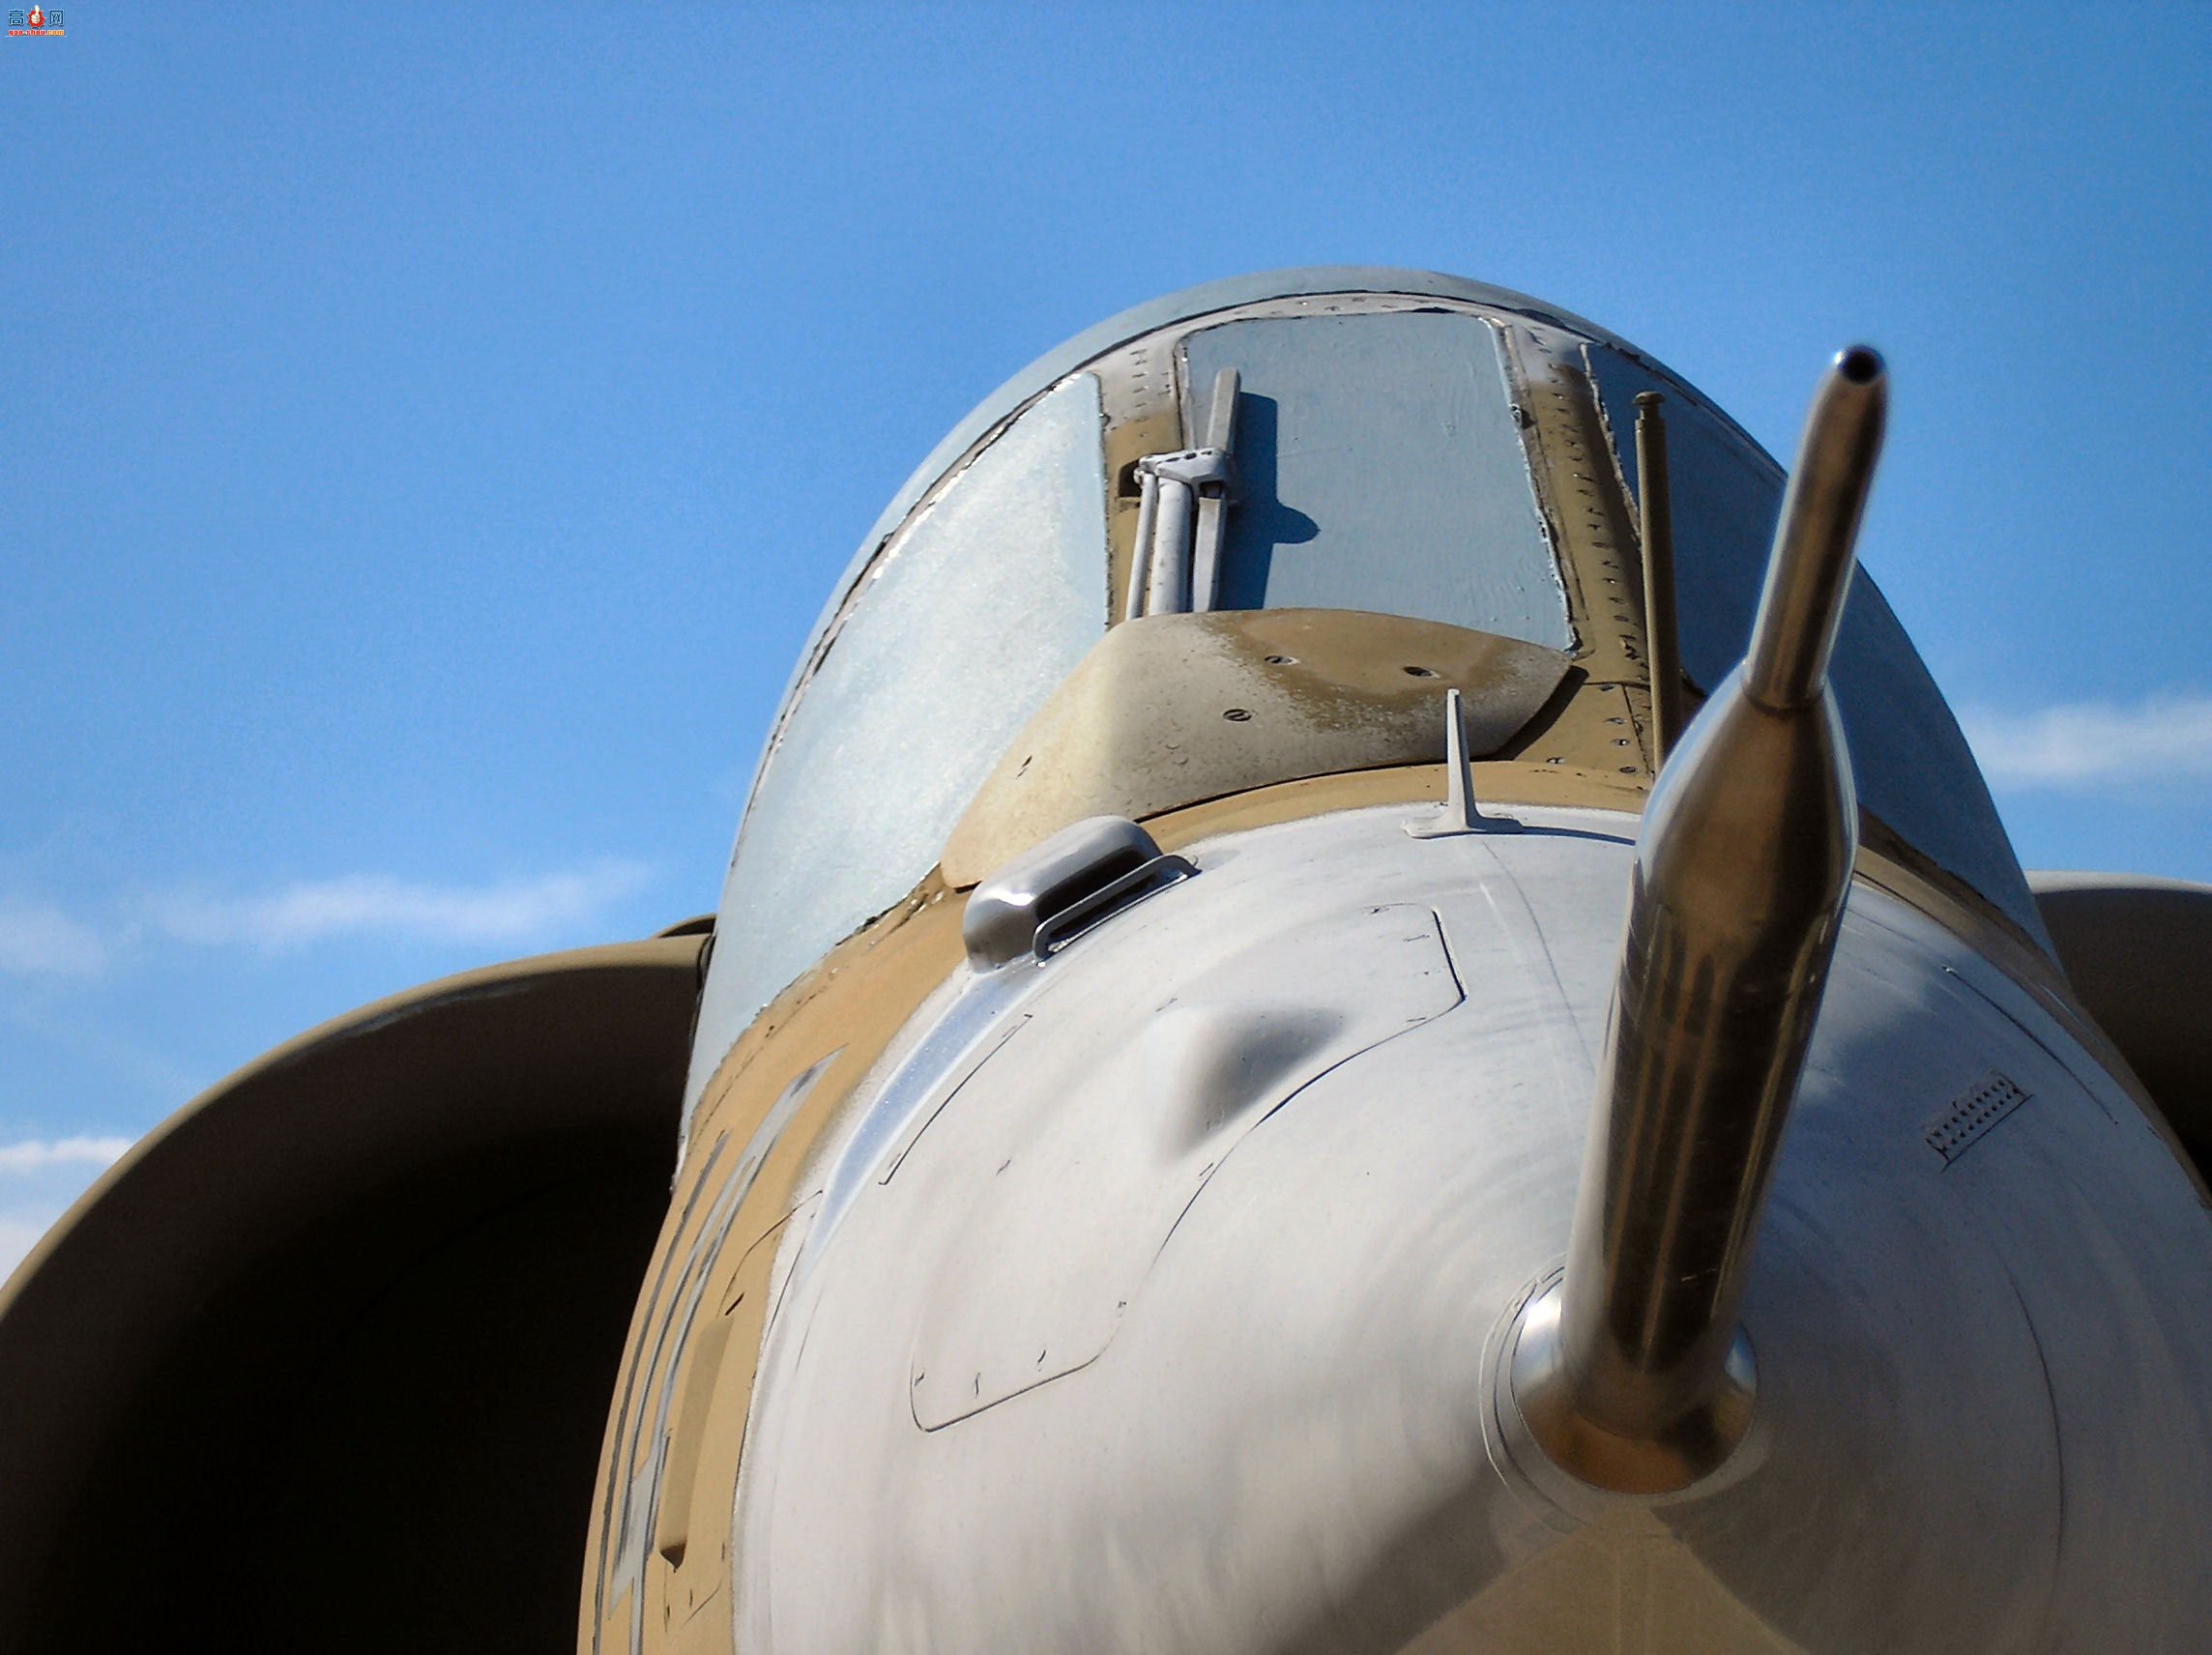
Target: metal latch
(1056, 890)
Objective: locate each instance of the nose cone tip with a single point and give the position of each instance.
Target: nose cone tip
(1861, 365)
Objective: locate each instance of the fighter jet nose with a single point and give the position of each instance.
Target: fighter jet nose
(1365, 1000)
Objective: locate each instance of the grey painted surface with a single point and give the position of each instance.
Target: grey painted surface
(1280, 1431)
(1911, 762)
(980, 606)
(1151, 1115)
(1379, 467)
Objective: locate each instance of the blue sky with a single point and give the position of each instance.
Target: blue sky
(428, 436)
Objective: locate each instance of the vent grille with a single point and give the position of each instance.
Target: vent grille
(1972, 1115)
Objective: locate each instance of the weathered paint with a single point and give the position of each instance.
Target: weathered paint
(1169, 710)
(697, 1347)
(983, 604)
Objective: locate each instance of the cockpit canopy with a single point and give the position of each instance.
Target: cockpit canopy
(1400, 443)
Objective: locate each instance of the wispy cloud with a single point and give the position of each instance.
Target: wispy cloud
(506, 910)
(36, 1154)
(2084, 743)
(40, 940)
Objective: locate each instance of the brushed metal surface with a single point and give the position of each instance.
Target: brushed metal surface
(1292, 1441)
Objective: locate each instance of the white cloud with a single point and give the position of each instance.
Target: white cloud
(34, 1154)
(39, 939)
(2085, 743)
(507, 911)
(39, 1178)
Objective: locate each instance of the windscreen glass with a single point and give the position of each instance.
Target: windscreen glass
(974, 609)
